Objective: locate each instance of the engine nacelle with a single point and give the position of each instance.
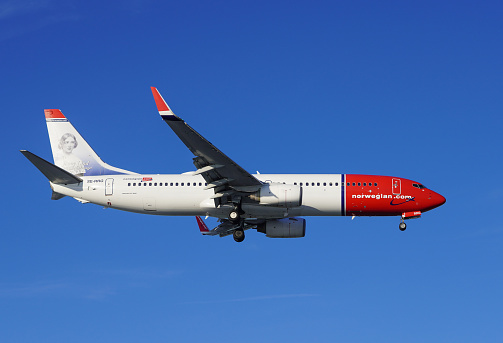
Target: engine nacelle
(284, 228)
(278, 194)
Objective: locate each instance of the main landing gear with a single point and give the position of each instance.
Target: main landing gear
(402, 226)
(234, 215)
(235, 218)
(237, 211)
(238, 235)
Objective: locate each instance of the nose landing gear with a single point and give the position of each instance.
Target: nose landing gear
(408, 215)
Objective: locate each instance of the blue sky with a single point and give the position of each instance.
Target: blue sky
(410, 89)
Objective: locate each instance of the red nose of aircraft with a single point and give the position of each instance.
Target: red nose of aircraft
(436, 200)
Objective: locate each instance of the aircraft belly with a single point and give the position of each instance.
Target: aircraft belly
(181, 203)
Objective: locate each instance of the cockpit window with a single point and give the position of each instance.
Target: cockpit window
(418, 185)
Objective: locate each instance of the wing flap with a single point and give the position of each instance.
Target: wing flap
(226, 227)
(208, 169)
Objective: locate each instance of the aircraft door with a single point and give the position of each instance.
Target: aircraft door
(396, 186)
(109, 184)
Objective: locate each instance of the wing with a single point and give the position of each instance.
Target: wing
(220, 172)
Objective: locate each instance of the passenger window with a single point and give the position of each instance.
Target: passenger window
(171, 183)
(312, 183)
(349, 184)
(176, 184)
(295, 183)
(200, 184)
(155, 184)
(375, 184)
(364, 184)
(129, 184)
(354, 184)
(336, 184)
(318, 184)
(182, 184)
(206, 184)
(301, 184)
(166, 184)
(188, 183)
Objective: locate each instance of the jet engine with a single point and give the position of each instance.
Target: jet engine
(278, 194)
(283, 228)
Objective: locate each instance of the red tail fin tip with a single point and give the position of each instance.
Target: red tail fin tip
(53, 114)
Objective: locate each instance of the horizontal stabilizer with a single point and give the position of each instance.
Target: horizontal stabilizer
(54, 173)
(57, 196)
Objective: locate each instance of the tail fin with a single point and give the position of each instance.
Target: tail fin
(71, 152)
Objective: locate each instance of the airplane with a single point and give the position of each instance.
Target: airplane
(273, 204)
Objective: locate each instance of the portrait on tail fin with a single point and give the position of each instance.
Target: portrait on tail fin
(65, 157)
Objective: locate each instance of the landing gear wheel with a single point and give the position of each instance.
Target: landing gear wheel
(402, 226)
(238, 235)
(234, 215)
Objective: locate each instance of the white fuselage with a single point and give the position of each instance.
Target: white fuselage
(185, 195)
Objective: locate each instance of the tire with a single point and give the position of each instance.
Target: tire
(402, 226)
(238, 235)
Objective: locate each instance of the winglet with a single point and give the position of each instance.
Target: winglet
(202, 226)
(162, 106)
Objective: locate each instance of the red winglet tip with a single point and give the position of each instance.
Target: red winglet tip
(201, 224)
(52, 114)
(159, 101)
